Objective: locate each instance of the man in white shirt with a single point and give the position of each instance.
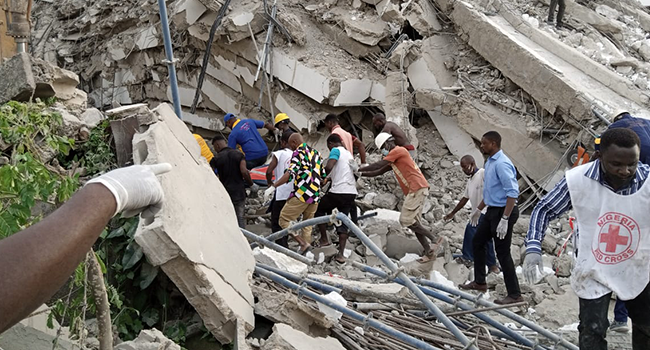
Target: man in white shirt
(279, 164)
(342, 193)
(473, 194)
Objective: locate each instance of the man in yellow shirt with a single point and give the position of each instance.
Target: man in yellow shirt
(205, 150)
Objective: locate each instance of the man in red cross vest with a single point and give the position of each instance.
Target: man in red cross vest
(611, 201)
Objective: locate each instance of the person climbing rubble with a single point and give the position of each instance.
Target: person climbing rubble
(37, 261)
(473, 194)
(500, 193)
(245, 135)
(280, 161)
(231, 169)
(610, 202)
(560, 13)
(380, 123)
(349, 141)
(341, 194)
(307, 174)
(414, 186)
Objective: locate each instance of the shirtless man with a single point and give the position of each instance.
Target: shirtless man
(381, 124)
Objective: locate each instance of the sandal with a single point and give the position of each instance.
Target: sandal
(427, 258)
(308, 249)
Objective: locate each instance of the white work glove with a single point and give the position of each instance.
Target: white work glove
(268, 193)
(135, 188)
(473, 219)
(354, 166)
(502, 228)
(532, 263)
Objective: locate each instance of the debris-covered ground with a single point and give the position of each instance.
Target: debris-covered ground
(445, 71)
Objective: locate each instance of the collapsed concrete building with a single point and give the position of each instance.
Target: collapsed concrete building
(467, 66)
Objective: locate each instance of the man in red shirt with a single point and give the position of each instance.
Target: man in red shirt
(349, 140)
(413, 184)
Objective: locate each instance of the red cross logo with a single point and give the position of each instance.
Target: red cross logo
(612, 238)
(617, 238)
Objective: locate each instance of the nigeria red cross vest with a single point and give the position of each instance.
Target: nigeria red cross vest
(614, 241)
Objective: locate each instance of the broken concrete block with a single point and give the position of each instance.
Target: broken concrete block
(286, 308)
(389, 11)
(149, 339)
(32, 333)
(91, 117)
(399, 244)
(194, 254)
(193, 10)
(301, 77)
(369, 30)
(292, 24)
(286, 338)
(458, 141)
(386, 201)
(422, 16)
(279, 261)
(147, 39)
(429, 99)
(17, 81)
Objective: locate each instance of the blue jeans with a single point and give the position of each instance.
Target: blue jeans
(620, 311)
(468, 249)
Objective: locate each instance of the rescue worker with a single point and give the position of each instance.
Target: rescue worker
(414, 186)
(380, 123)
(611, 205)
(245, 135)
(349, 141)
(280, 161)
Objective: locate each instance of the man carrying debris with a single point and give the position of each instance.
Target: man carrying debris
(611, 203)
(342, 192)
(245, 135)
(349, 141)
(380, 123)
(414, 186)
(279, 164)
(473, 194)
(305, 169)
(500, 193)
(36, 262)
(231, 169)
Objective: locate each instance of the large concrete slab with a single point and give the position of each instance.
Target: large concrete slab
(286, 338)
(553, 79)
(211, 264)
(458, 141)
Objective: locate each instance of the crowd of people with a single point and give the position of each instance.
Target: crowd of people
(608, 197)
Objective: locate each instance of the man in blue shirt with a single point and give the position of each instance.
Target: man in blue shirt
(500, 193)
(245, 135)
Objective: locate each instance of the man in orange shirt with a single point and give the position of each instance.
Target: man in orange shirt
(413, 184)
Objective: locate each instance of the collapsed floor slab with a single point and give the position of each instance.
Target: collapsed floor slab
(212, 267)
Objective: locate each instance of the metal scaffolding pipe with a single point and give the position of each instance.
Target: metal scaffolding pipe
(407, 282)
(300, 280)
(170, 61)
(309, 222)
(509, 332)
(272, 245)
(480, 301)
(367, 320)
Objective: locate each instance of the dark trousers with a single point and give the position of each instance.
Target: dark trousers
(240, 207)
(620, 311)
(468, 248)
(486, 231)
(593, 321)
(276, 209)
(343, 202)
(560, 11)
(252, 163)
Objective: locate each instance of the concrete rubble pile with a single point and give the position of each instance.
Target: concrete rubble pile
(445, 71)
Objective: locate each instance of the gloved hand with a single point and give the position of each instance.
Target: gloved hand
(354, 166)
(268, 193)
(254, 189)
(533, 262)
(502, 228)
(135, 188)
(473, 219)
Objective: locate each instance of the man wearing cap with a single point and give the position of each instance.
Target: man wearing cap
(245, 135)
(414, 186)
(349, 141)
(640, 126)
(380, 123)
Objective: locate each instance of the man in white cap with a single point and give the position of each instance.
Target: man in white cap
(413, 184)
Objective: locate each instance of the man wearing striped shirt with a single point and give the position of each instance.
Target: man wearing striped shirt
(613, 249)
